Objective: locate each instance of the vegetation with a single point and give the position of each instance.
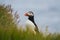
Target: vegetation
(9, 31)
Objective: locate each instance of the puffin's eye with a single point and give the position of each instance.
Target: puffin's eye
(30, 13)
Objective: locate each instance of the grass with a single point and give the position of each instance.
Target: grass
(12, 33)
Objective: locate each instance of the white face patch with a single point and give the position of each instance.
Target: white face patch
(30, 14)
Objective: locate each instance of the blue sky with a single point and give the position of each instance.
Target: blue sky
(47, 12)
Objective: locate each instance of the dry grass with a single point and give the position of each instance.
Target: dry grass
(12, 33)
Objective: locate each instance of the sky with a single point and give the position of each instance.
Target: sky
(46, 12)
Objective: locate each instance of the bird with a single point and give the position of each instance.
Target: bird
(30, 23)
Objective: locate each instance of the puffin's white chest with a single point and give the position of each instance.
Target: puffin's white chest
(30, 25)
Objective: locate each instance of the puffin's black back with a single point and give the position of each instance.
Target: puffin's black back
(31, 18)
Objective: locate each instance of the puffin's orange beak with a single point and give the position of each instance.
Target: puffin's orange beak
(26, 14)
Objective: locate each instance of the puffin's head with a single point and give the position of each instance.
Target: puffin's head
(29, 13)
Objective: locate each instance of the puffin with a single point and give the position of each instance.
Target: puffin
(30, 23)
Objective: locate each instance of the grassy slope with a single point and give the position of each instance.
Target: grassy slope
(12, 33)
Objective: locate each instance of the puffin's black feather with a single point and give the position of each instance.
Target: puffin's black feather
(31, 18)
